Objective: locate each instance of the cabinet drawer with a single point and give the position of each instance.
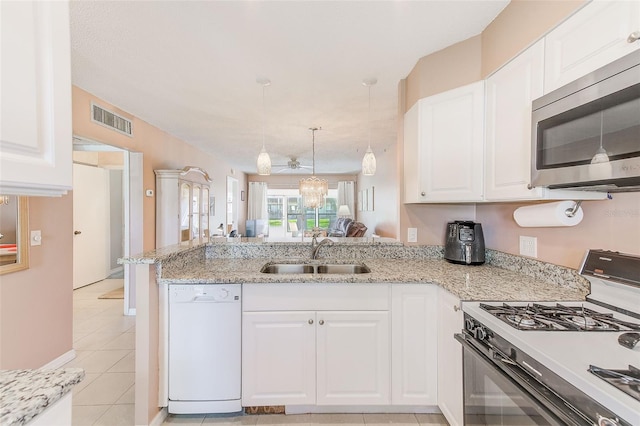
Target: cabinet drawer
(315, 297)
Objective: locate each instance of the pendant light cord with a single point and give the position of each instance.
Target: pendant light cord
(263, 115)
(369, 118)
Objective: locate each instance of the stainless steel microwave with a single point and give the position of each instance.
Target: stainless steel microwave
(587, 134)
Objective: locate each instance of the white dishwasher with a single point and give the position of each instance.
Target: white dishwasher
(205, 348)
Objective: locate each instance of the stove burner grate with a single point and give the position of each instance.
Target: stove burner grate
(628, 381)
(535, 316)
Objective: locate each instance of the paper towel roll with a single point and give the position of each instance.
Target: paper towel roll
(547, 215)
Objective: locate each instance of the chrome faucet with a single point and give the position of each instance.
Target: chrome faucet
(315, 245)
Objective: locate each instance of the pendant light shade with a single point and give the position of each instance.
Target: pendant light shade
(264, 161)
(369, 160)
(313, 189)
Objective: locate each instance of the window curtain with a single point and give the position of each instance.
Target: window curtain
(346, 195)
(257, 206)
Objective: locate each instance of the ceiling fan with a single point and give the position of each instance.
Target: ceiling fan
(293, 165)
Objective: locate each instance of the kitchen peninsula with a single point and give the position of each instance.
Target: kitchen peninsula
(392, 264)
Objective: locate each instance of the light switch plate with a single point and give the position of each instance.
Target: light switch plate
(529, 246)
(36, 238)
(412, 235)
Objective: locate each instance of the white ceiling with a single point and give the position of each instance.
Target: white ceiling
(191, 69)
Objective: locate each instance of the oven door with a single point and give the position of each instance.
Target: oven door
(496, 394)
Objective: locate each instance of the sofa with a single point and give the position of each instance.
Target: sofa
(347, 227)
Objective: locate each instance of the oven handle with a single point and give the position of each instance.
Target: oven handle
(555, 405)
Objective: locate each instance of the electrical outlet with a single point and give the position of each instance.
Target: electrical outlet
(412, 235)
(529, 246)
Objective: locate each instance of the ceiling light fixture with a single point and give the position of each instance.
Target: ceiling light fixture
(312, 189)
(600, 155)
(369, 160)
(264, 161)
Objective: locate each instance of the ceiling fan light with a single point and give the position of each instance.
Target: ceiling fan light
(264, 163)
(369, 163)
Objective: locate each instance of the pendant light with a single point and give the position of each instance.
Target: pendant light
(369, 160)
(264, 161)
(312, 189)
(600, 155)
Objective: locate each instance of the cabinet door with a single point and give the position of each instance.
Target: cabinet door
(590, 39)
(35, 113)
(353, 357)
(414, 357)
(450, 322)
(451, 145)
(278, 358)
(509, 93)
(185, 211)
(412, 184)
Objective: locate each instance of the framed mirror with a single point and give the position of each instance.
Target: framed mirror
(14, 230)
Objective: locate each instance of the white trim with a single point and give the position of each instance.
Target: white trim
(60, 361)
(159, 419)
(131, 312)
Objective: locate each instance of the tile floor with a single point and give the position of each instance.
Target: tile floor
(104, 340)
(311, 420)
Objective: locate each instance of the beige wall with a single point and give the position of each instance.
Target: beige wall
(36, 304)
(610, 224)
(383, 220)
(160, 151)
(520, 24)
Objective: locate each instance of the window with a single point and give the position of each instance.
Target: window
(285, 207)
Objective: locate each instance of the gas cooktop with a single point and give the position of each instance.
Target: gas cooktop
(558, 317)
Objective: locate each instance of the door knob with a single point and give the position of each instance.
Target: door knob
(77, 232)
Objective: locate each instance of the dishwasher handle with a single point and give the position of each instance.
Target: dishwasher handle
(214, 299)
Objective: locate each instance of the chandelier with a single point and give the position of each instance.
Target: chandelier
(312, 189)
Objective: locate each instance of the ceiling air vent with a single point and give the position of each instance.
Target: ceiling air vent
(111, 119)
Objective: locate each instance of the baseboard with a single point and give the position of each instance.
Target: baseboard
(392, 409)
(160, 417)
(60, 361)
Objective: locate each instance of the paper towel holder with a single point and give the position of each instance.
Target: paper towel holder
(571, 212)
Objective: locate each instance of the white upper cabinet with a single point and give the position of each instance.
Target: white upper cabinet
(509, 93)
(443, 147)
(35, 97)
(593, 37)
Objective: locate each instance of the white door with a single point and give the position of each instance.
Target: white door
(90, 224)
(278, 358)
(450, 321)
(414, 357)
(353, 358)
(509, 93)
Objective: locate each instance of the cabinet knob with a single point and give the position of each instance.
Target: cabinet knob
(77, 232)
(633, 37)
(456, 308)
(310, 321)
(321, 322)
(423, 193)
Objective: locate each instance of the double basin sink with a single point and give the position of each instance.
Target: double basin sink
(315, 268)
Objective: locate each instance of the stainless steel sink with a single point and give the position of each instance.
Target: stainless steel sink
(288, 268)
(343, 269)
(321, 268)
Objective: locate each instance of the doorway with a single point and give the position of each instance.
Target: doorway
(116, 213)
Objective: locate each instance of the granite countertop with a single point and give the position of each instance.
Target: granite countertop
(504, 277)
(484, 282)
(26, 393)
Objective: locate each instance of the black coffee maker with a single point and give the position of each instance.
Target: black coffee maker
(464, 243)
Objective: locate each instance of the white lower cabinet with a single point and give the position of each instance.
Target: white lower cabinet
(414, 356)
(450, 321)
(319, 356)
(278, 358)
